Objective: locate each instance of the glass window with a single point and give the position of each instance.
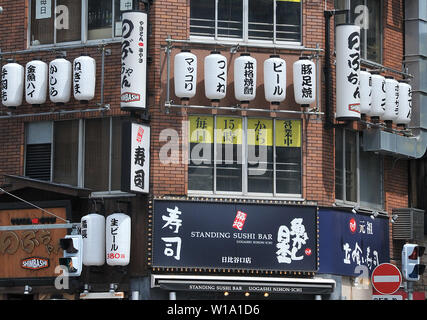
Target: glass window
(244, 155)
(38, 150)
(269, 20)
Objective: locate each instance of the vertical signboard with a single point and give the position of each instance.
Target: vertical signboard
(134, 61)
(135, 157)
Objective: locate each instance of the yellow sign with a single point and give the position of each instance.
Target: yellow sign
(288, 133)
(201, 129)
(229, 130)
(260, 132)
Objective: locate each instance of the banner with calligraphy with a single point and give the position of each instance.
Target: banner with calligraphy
(234, 235)
(135, 157)
(260, 132)
(229, 130)
(33, 252)
(288, 133)
(201, 129)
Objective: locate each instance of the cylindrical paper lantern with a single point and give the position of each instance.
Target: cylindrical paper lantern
(60, 80)
(245, 76)
(185, 74)
(117, 239)
(391, 99)
(378, 96)
(12, 84)
(365, 91)
(275, 79)
(84, 78)
(36, 82)
(93, 235)
(304, 77)
(405, 103)
(215, 76)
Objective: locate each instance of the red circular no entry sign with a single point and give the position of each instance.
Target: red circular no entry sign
(386, 278)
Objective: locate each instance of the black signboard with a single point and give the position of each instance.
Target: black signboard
(218, 235)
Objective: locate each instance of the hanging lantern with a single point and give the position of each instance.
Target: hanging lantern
(245, 72)
(405, 103)
(12, 84)
(215, 76)
(378, 96)
(117, 239)
(275, 79)
(60, 80)
(365, 91)
(304, 77)
(185, 74)
(348, 72)
(134, 61)
(93, 235)
(36, 82)
(84, 78)
(391, 100)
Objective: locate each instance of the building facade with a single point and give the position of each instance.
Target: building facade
(256, 189)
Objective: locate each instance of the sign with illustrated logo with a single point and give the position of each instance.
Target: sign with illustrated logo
(234, 236)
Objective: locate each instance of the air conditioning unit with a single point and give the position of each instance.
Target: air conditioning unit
(409, 225)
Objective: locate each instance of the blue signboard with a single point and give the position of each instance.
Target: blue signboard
(218, 235)
(349, 243)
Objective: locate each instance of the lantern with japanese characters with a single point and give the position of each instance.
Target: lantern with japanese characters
(304, 77)
(405, 103)
(378, 96)
(185, 74)
(215, 76)
(391, 100)
(134, 61)
(36, 82)
(84, 78)
(245, 78)
(117, 239)
(275, 79)
(365, 91)
(60, 80)
(347, 72)
(93, 235)
(12, 84)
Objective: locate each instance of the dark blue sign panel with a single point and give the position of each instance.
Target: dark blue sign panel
(350, 244)
(241, 236)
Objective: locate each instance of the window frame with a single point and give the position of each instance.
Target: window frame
(344, 201)
(245, 192)
(84, 29)
(245, 32)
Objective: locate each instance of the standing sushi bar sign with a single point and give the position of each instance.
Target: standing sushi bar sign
(221, 235)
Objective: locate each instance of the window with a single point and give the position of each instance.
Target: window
(367, 14)
(61, 21)
(358, 174)
(270, 20)
(84, 153)
(235, 155)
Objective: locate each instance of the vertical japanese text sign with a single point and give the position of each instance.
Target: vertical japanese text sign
(135, 157)
(134, 61)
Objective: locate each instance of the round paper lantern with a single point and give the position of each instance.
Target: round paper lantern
(84, 78)
(378, 96)
(245, 74)
(365, 91)
(60, 80)
(36, 82)
(347, 72)
(12, 76)
(304, 77)
(93, 235)
(185, 74)
(405, 103)
(275, 79)
(117, 239)
(215, 76)
(391, 100)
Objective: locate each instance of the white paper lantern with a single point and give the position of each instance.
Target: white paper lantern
(365, 92)
(245, 78)
(275, 79)
(347, 72)
(391, 100)
(185, 74)
(405, 103)
(215, 76)
(378, 96)
(93, 235)
(117, 239)
(134, 61)
(12, 84)
(304, 77)
(60, 71)
(84, 78)
(36, 82)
